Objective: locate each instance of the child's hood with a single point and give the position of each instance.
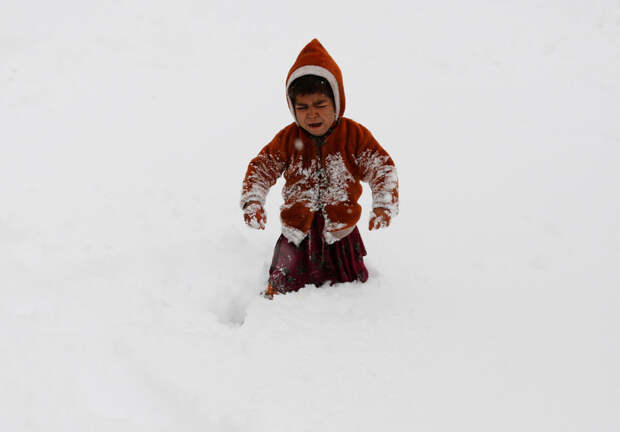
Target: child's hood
(315, 60)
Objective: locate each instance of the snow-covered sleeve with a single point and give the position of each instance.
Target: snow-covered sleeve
(263, 172)
(378, 170)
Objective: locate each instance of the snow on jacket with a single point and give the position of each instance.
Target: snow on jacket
(324, 173)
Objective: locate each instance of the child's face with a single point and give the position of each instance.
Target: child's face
(315, 112)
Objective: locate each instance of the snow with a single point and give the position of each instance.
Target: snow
(130, 282)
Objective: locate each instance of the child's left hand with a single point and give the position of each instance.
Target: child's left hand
(379, 218)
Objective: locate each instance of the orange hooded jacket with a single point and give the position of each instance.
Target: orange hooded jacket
(323, 177)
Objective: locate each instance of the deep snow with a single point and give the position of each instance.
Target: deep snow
(129, 281)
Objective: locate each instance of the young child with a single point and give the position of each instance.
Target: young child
(323, 157)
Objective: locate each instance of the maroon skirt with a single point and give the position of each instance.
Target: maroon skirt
(316, 262)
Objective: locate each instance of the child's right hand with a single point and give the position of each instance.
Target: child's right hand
(254, 215)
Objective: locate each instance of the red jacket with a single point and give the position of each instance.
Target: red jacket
(322, 175)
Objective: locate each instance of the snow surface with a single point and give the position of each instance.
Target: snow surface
(129, 282)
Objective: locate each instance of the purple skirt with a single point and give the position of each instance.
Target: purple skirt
(316, 262)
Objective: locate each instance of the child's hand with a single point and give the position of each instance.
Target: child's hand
(254, 215)
(379, 218)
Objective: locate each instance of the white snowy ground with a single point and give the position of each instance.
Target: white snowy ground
(129, 282)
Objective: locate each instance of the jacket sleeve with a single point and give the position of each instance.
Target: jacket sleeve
(263, 172)
(378, 170)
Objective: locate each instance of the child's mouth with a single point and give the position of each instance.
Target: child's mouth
(315, 125)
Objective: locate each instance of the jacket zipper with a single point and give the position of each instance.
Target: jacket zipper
(318, 143)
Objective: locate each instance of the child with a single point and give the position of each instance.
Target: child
(323, 157)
